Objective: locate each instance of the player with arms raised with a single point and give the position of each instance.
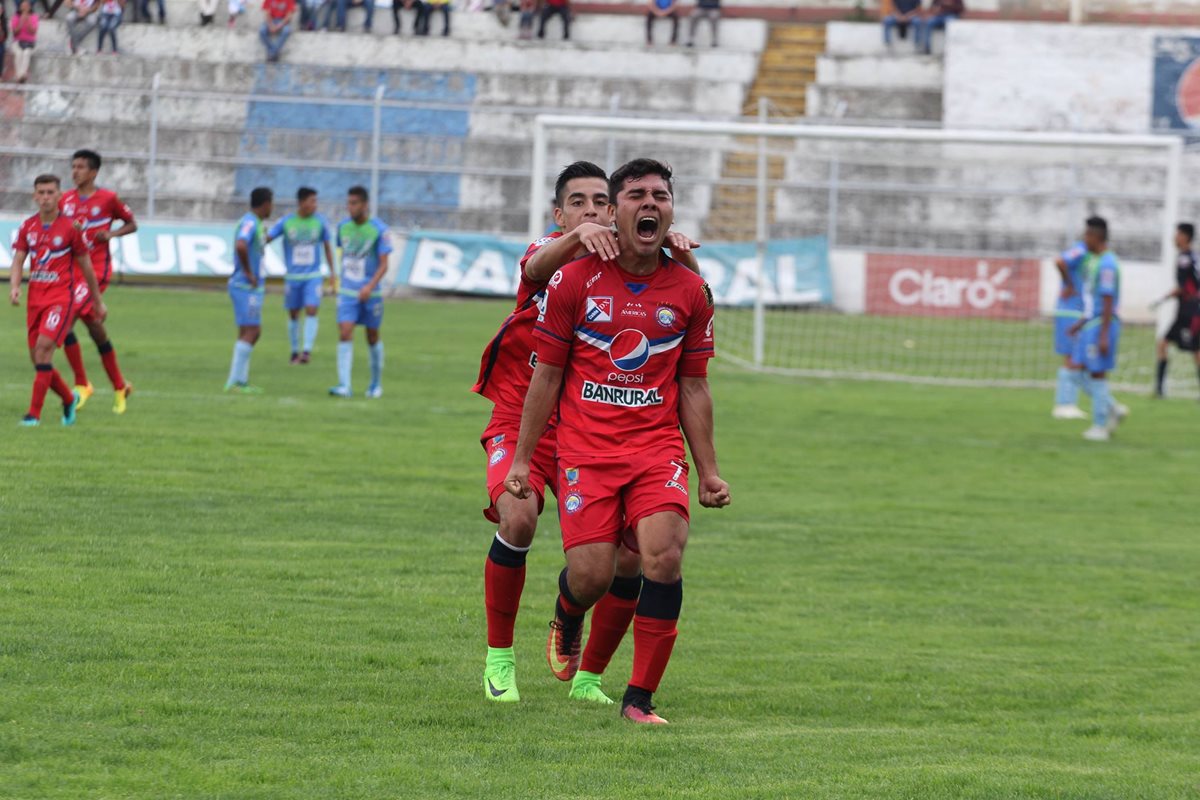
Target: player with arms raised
(626, 344)
(58, 249)
(1184, 332)
(582, 213)
(96, 209)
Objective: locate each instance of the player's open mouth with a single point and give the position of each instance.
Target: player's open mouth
(647, 228)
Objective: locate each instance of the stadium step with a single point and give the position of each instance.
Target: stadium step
(787, 66)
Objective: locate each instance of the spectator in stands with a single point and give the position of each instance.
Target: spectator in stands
(940, 13)
(705, 9)
(551, 8)
(162, 12)
(51, 7)
(309, 10)
(658, 10)
(110, 20)
(3, 37)
(81, 20)
(208, 12)
(236, 9)
(24, 29)
(903, 14)
(443, 8)
(420, 16)
(343, 6)
(528, 14)
(277, 27)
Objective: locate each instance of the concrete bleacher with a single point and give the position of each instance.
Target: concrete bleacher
(858, 77)
(456, 123)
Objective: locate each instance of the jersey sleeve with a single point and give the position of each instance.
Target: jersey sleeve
(555, 328)
(698, 341)
(535, 246)
(276, 230)
(79, 244)
(121, 211)
(1073, 255)
(1106, 277)
(385, 238)
(21, 243)
(245, 231)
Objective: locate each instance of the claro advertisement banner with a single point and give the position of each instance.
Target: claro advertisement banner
(951, 286)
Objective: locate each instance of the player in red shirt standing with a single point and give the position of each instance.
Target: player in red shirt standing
(623, 349)
(58, 250)
(583, 213)
(96, 209)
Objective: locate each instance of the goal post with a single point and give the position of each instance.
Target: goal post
(882, 200)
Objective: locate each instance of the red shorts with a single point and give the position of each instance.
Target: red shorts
(52, 320)
(500, 443)
(604, 499)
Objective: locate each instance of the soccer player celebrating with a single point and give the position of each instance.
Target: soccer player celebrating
(303, 233)
(626, 344)
(58, 248)
(1067, 312)
(582, 215)
(246, 287)
(1098, 332)
(364, 243)
(96, 209)
(1185, 330)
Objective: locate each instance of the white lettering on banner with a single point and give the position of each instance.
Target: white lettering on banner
(744, 286)
(435, 265)
(785, 270)
(201, 254)
(911, 287)
(620, 395)
(488, 274)
(164, 250)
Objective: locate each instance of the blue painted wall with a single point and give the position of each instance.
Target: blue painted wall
(433, 138)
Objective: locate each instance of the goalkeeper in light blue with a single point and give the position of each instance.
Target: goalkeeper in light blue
(1068, 311)
(1098, 332)
(305, 235)
(364, 245)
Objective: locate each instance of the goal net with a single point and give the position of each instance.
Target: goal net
(912, 254)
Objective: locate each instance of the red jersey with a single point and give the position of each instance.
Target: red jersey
(98, 210)
(52, 251)
(624, 341)
(508, 362)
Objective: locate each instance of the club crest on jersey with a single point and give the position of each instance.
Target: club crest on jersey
(58, 241)
(708, 295)
(555, 279)
(665, 316)
(95, 212)
(599, 309)
(630, 350)
(572, 475)
(69, 210)
(573, 502)
(497, 456)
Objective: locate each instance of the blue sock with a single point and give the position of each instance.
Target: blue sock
(294, 334)
(1067, 392)
(1101, 401)
(376, 364)
(345, 360)
(310, 333)
(240, 372)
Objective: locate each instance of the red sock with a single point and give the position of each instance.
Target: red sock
(75, 359)
(610, 621)
(41, 385)
(108, 357)
(60, 387)
(503, 581)
(653, 640)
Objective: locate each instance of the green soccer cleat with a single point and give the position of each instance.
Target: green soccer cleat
(69, 410)
(586, 686)
(500, 676)
(236, 388)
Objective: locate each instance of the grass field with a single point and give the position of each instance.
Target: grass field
(919, 592)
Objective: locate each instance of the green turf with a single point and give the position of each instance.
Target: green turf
(918, 592)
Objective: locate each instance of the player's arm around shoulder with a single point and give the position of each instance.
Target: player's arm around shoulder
(589, 237)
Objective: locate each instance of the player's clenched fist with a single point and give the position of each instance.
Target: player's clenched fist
(714, 493)
(598, 240)
(14, 296)
(517, 482)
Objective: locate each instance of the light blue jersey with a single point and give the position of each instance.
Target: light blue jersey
(302, 240)
(249, 230)
(364, 249)
(1103, 279)
(1075, 257)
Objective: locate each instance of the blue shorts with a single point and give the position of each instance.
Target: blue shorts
(1064, 342)
(1087, 348)
(351, 309)
(302, 294)
(247, 305)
